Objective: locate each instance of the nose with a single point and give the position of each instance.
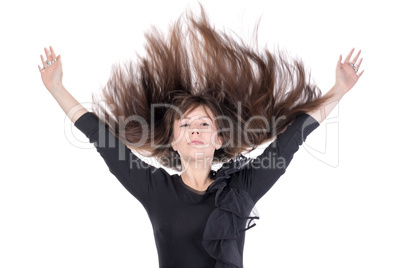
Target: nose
(194, 131)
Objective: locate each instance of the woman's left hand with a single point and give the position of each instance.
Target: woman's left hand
(346, 75)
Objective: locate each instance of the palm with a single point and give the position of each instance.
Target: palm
(52, 75)
(346, 76)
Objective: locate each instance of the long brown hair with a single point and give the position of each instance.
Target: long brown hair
(198, 65)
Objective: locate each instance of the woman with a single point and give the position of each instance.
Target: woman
(199, 98)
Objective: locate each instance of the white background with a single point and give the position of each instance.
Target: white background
(338, 204)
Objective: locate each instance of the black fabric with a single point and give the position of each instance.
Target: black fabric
(193, 228)
(233, 215)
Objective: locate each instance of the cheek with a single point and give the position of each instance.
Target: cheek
(216, 139)
(178, 135)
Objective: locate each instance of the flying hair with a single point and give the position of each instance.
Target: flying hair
(254, 95)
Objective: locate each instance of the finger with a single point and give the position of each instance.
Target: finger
(52, 52)
(40, 69)
(357, 56)
(43, 61)
(358, 64)
(360, 74)
(48, 55)
(347, 59)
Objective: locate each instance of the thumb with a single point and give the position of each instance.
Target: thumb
(338, 65)
(58, 59)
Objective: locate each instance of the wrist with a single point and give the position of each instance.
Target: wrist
(338, 91)
(56, 89)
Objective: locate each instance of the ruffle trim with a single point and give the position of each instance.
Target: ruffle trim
(235, 213)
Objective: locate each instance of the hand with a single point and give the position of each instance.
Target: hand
(52, 74)
(346, 76)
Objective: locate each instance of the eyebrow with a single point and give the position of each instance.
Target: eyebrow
(198, 117)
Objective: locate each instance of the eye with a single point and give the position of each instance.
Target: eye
(203, 124)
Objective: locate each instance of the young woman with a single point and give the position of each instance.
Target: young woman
(198, 98)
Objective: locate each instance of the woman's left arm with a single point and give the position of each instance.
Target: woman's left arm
(346, 77)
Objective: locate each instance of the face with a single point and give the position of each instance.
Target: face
(195, 135)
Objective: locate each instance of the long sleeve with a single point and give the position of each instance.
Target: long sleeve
(262, 172)
(134, 174)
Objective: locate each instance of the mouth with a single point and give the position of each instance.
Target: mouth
(195, 142)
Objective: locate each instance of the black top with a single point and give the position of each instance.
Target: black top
(194, 228)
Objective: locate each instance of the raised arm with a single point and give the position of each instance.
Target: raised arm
(346, 77)
(138, 177)
(263, 171)
(52, 75)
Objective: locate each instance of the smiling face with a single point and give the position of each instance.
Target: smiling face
(195, 135)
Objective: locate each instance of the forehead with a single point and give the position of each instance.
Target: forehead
(197, 113)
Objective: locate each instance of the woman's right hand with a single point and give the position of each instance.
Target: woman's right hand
(52, 74)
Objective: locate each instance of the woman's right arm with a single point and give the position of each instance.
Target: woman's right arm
(52, 79)
(137, 177)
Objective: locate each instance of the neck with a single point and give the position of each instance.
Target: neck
(196, 174)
